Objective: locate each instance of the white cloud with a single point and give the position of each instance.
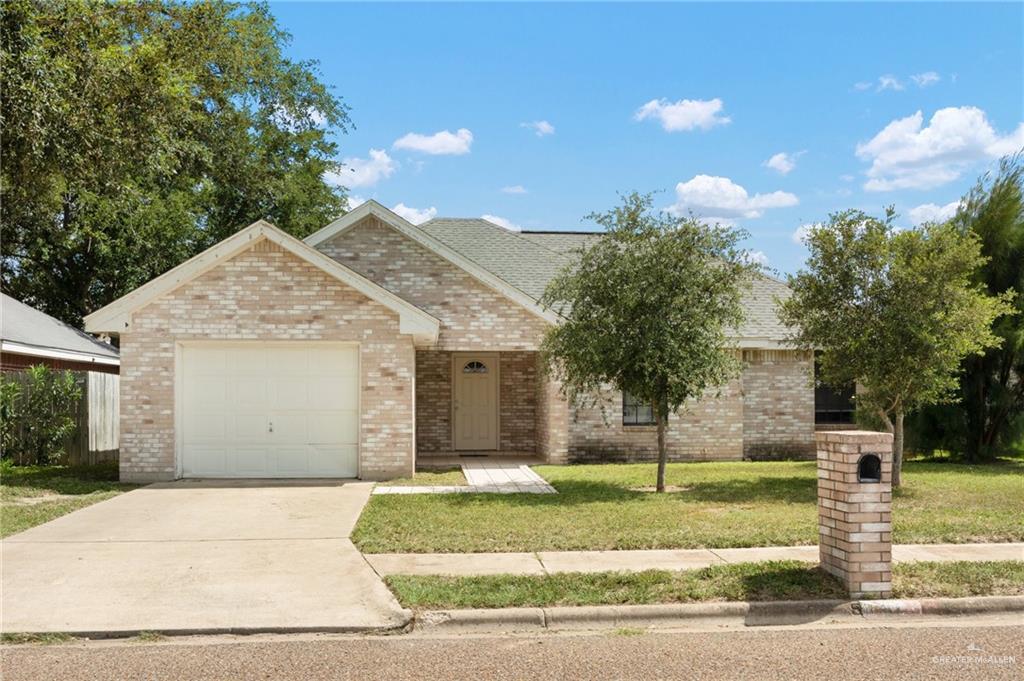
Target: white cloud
(782, 162)
(889, 82)
(863, 85)
(502, 222)
(364, 172)
(354, 201)
(846, 177)
(686, 114)
(801, 233)
(514, 189)
(415, 215)
(540, 128)
(925, 79)
(440, 143)
(721, 199)
(930, 212)
(908, 155)
(757, 257)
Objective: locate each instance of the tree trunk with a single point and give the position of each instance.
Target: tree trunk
(662, 453)
(897, 448)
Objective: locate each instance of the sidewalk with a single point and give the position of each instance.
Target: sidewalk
(546, 562)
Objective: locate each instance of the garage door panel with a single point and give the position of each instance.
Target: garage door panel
(232, 395)
(291, 392)
(337, 363)
(207, 426)
(333, 460)
(291, 461)
(290, 428)
(249, 391)
(249, 460)
(333, 392)
(205, 460)
(207, 390)
(249, 426)
(210, 361)
(328, 427)
(293, 361)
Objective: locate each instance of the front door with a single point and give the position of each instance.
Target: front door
(475, 378)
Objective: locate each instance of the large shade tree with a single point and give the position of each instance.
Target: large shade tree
(136, 134)
(894, 311)
(647, 309)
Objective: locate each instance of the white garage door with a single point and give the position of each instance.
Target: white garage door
(270, 410)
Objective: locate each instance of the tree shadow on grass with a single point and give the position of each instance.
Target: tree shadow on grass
(580, 492)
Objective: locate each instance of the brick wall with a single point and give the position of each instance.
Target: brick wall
(264, 293)
(473, 316)
(433, 401)
(778, 404)
(552, 415)
(710, 429)
(518, 400)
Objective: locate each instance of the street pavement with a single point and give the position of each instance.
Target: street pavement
(952, 650)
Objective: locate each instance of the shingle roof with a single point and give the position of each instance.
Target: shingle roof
(520, 262)
(26, 325)
(529, 260)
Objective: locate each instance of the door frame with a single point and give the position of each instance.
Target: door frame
(458, 358)
(179, 397)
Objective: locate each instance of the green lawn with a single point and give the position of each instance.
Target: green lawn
(773, 581)
(720, 505)
(32, 495)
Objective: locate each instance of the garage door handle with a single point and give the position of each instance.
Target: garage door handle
(270, 427)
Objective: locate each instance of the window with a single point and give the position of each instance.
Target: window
(636, 413)
(474, 368)
(832, 405)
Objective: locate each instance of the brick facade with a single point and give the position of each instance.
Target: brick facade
(264, 293)
(778, 404)
(517, 396)
(517, 400)
(710, 429)
(473, 316)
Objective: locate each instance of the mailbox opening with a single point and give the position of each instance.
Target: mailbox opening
(869, 469)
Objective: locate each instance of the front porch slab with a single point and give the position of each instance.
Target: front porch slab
(484, 477)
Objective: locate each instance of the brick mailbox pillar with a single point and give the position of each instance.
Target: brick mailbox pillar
(855, 509)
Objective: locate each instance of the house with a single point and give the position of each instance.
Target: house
(375, 344)
(29, 337)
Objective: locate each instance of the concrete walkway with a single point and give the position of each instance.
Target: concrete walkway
(200, 556)
(547, 562)
(483, 477)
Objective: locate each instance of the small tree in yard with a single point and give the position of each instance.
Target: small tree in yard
(893, 311)
(646, 309)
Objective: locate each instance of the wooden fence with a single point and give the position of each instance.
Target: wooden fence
(96, 437)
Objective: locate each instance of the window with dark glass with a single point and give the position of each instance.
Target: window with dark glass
(636, 412)
(832, 405)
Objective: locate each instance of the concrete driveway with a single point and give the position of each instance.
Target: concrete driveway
(200, 556)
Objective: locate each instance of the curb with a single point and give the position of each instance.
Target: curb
(747, 614)
(402, 626)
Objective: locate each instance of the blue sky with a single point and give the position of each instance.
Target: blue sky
(868, 104)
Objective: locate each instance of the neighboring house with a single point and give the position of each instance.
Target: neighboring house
(376, 343)
(29, 337)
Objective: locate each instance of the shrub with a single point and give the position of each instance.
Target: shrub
(38, 414)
